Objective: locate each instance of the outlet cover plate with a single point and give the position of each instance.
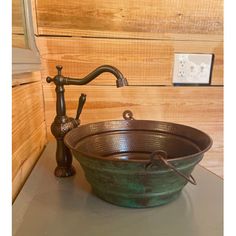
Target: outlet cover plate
(192, 68)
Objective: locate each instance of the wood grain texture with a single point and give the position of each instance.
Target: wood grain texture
(185, 105)
(18, 31)
(143, 62)
(17, 17)
(27, 112)
(28, 126)
(24, 78)
(24, 159)
(165, 19)
(18, 41)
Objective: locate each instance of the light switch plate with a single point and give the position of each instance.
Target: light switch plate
(192, 68)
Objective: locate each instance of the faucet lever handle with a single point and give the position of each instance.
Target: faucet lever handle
(82, 101)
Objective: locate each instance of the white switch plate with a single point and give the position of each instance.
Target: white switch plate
(192, 68)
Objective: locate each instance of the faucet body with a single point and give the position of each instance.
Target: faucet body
(62, 123)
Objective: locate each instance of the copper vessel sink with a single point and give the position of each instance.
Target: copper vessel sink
(137, 163)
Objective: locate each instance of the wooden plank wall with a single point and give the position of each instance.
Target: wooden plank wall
(18, 33)
(28, 126)
(140, 38)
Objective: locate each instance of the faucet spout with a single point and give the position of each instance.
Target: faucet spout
(120, 79)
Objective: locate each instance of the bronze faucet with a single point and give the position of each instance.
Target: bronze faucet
(62, 123)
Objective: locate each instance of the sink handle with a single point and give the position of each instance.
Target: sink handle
(160, 155)
(82, 101)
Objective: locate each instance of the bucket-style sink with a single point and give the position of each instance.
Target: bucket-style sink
(138, 163)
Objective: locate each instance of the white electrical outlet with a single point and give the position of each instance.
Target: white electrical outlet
(192, 68)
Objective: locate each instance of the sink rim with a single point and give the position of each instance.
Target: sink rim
(126, 123)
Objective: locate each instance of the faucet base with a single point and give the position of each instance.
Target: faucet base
(60, 126)
(62, 171)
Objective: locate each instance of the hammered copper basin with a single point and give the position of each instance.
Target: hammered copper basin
(137, 163)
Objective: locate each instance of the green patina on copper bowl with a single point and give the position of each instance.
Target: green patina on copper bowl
(137, 163)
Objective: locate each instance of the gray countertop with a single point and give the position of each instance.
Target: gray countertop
(51, 206)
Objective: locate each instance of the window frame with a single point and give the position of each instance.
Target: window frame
(26, 60)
